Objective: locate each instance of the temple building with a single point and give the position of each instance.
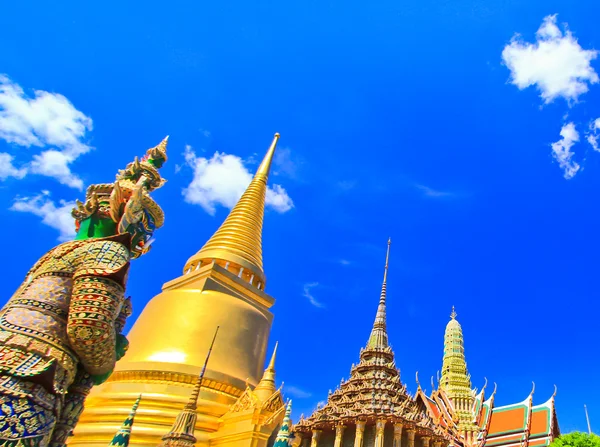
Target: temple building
(372, 407)
(473, 420)
(223, 285)
(231, 401)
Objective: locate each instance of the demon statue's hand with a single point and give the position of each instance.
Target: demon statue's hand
(121, 346)
(125, 312)
(101, 378)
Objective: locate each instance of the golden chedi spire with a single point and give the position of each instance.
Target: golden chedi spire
(266, 386)
(379, 336)
(239, 239)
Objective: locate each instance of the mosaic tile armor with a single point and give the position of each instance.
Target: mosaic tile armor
(56, 330)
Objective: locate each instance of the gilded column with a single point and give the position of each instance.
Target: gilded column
(339, 434)
(379, 430)
(316, 434)
(398, 435)
(411, 437)
(360, 431)
(425, 441)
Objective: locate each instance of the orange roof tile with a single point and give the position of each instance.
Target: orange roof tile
(540, 421)
(541, 442)
(483, 416)
(504, 440)
(508, 420)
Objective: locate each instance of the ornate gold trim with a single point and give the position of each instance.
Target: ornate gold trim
(188, 380)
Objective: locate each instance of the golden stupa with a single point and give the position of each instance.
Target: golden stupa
(221, 285)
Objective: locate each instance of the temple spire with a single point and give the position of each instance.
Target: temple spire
(455, 380)
(182, 431)
(283, 436)
(239, 239)
(121, 438)
(266, 386)
(379, 337)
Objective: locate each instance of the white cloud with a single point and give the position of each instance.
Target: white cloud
(430, 192)
(285, 163)
(592, 136)
(7, 169)
(307, 293)
(44, 120)
(562, 150)
(58, 217)
(296, 392)
(55, 164)
(222, 179)
(555, 63)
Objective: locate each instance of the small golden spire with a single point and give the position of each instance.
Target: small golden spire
(266, 386)
(182, 431)
(453, 315)
(239, 239)
(273, 356)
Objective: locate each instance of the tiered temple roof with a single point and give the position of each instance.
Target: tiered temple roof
(374, 393)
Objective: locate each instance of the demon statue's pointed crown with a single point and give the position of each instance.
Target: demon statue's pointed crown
(125, 206)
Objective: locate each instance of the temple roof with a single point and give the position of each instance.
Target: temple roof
(523, 424)
(374, 389)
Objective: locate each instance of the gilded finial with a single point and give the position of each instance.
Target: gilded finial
(532, 389)
(485, 384)
(273, 356)
(265, 166)
(417, 379)
(266, 386)
(555, 391)
(387, 259)
(453, 315)
(495, 388)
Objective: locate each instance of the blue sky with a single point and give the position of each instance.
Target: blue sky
(421, 120)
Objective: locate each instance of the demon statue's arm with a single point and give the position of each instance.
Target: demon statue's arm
(98, 296)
